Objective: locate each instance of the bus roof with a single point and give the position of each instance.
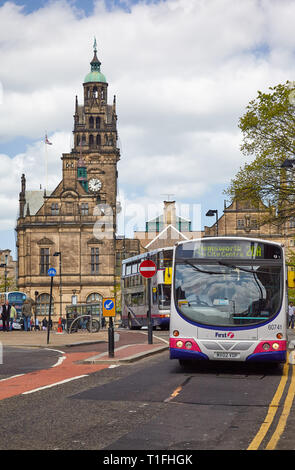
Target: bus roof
(148, 253)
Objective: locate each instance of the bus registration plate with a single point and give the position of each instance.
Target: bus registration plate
(226, 355)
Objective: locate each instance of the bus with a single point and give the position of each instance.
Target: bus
(229, 301)
(17, 298)
(134, 290)
(14, 297)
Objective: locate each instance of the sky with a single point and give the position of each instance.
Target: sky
(183, 72)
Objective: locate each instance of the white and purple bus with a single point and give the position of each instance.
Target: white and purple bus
(229, 301)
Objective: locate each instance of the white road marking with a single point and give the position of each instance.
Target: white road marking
(60, 359)
(53, 385)
(12, 377)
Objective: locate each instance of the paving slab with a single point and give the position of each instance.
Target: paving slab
(38, 339)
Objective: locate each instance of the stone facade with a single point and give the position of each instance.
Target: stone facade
(77, 220)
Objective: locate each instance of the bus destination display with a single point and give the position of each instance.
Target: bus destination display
(233, 249)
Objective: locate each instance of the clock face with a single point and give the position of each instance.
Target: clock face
(94, 185)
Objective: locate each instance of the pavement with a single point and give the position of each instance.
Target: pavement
(136, 348)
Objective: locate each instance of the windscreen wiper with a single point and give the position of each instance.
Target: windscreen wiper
(251, 271)
(202, 270)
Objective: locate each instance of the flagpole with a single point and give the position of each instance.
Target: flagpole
(46, 167)
(46, 142)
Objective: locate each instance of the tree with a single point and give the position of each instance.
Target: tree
(9, 283)
(268, 128)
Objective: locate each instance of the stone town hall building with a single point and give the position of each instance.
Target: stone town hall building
(63, 221)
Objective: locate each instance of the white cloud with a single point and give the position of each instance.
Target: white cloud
(183, 72)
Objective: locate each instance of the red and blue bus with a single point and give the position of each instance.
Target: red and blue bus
(134, 290)
(17, 298)
(229, 301)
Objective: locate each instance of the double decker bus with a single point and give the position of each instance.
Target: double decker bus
(134, 289)
(229, 301)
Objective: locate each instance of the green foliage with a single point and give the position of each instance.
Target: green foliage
(268, 129)
(10, 284)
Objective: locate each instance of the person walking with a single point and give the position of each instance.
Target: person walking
(44, 324)
(291, 315)
(26, 312)
(13, 316)
(6, 315)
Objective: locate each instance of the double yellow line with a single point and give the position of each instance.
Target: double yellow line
(272, 410)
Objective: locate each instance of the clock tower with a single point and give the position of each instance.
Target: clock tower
(70, 221)
(95, 136)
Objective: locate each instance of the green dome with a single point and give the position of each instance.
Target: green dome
(95, 76)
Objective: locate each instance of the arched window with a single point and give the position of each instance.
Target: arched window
(98, 140)
(97, 123)
(78, 140)
(91, 140)
(95, 92)
(91, 122)
(95, 298)
(83, 139)
(43, 301)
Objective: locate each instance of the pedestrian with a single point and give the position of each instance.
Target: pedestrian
(6, 315)
(37, 327)
(291, 314)
(13, 315)
(26, 312)
(44, 324)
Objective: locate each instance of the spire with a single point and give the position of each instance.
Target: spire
(95, 63)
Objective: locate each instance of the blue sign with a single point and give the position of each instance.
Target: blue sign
(108, 304)
(51, 272)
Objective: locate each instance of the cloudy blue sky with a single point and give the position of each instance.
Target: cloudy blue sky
(183, 72)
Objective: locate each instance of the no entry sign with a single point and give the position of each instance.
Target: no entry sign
(147, 268)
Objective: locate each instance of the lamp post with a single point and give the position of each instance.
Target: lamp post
(211, 213)
(58, 253)
(36, 297)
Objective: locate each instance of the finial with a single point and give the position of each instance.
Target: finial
(95, 45)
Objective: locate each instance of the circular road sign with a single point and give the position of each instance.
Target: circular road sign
(51, 272)
(108, 304)
(147, 268)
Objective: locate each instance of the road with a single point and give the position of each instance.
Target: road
(152, 405)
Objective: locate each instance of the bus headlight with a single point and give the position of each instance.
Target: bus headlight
(275, 346)
(266, 346)
(188, 345)
(179, 344)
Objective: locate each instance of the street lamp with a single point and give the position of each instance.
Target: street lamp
(58, 253)
(211, 213)
(36, 298)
